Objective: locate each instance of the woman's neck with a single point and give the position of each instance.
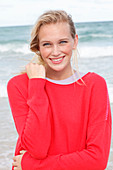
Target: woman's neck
(59, 75)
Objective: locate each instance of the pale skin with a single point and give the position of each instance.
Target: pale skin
(55, 45)
(17, 161)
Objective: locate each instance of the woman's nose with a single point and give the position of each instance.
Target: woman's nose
(55, 50)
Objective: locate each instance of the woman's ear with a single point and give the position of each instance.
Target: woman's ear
(75, 41)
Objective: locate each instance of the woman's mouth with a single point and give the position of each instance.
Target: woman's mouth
(57, 60)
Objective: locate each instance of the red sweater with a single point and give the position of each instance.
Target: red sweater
(62, 127)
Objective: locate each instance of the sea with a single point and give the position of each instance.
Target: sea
(95, 54)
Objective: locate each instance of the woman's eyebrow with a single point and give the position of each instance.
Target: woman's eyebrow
(64, 39)
(43, 41)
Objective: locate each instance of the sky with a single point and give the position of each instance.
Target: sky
(26, 12)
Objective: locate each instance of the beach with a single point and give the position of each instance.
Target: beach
(95, 48)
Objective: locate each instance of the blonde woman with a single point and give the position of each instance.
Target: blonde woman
(63, 119)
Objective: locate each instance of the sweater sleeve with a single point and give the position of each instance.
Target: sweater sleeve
(95, 155)
(31, 116)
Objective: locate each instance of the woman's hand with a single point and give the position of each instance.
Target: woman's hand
(17, 161)
(35, 70)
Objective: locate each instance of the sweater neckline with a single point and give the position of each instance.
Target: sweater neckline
(69, 80)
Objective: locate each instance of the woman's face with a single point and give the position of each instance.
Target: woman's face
(56, 45)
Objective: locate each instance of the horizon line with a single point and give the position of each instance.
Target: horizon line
(81, 22)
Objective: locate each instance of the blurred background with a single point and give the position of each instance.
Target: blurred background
(94, 25)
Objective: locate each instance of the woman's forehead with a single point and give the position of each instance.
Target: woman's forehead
(53, 30)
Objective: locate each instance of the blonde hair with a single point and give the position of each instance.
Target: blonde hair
(51, 17)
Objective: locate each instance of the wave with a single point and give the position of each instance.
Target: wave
(21, 48)
(95, 51)
(102, 35)
(96, 36)
(85, 51)
(3, 90)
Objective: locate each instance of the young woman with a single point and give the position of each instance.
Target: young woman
(63, 118)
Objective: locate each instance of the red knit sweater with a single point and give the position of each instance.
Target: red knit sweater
(62, 127)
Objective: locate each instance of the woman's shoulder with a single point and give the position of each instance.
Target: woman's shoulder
(93, 79)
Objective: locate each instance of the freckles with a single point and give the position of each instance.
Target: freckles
(45, 52)
(68, 49)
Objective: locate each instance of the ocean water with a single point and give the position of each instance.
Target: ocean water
(95, 49)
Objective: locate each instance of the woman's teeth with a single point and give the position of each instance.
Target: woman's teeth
(57, 59)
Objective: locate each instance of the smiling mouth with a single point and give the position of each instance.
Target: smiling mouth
(57, 60)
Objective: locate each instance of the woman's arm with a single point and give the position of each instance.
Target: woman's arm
(31, 113)
(95, 155)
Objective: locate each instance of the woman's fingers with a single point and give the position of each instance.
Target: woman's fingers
(34, 70)
(17, 162)
(15, 168)
(14, 164)
(14, 158)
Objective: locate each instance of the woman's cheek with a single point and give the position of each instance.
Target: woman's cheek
(45, 52)
(67, 49)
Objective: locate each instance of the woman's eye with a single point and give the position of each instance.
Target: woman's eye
(46, 44)
(63, 42)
